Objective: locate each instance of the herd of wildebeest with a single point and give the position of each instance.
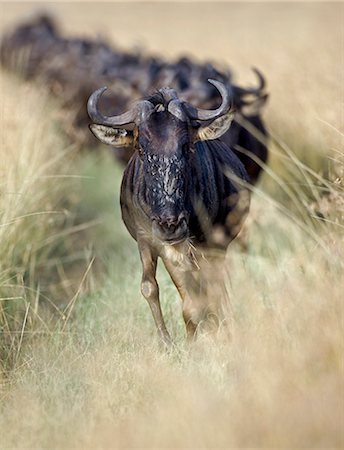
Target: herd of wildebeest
(193, 143)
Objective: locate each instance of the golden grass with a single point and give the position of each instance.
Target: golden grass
(278, 383)
(101, 380)
(36, 222)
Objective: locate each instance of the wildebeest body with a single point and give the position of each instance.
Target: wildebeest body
(248, 144)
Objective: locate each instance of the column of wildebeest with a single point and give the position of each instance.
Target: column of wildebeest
(193, 143)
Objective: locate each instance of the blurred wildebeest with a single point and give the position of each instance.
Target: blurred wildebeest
(69, 68)
(73, 68)
(247, 135)
(183, 192)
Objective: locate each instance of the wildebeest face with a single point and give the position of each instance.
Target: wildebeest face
(165, 147)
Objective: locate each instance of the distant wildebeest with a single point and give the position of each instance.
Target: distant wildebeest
(72, 68)
(248, 136)
(183, 192)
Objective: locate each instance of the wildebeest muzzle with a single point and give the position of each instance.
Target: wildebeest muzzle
(170, 228)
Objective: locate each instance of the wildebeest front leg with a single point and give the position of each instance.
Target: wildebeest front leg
(178, 277)
(205, 301)
(150, 289)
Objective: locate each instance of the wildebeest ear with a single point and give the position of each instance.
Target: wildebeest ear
(112, 136)
(216, 129)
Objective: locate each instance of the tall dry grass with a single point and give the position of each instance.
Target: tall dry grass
(100, 379)
(37, 225)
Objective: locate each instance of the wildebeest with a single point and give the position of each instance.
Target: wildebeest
(183, 192)
(248, 136)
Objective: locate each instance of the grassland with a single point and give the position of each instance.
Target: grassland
(80, 363)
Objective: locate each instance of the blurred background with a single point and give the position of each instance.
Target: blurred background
(79, 361)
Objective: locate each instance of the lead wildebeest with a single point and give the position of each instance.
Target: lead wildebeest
(183, 190)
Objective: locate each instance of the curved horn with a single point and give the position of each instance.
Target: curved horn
(253, 91)
(261, 79)
(126, 118)
(206, 114)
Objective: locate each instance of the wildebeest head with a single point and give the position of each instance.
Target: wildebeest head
(163, 129)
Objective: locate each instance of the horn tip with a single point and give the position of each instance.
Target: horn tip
(260, 77)
(218, 84)
(102, 89)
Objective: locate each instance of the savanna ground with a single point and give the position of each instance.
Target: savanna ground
(80, 363)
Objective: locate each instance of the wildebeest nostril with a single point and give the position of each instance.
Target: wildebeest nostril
(169, 226)
(169, 223)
